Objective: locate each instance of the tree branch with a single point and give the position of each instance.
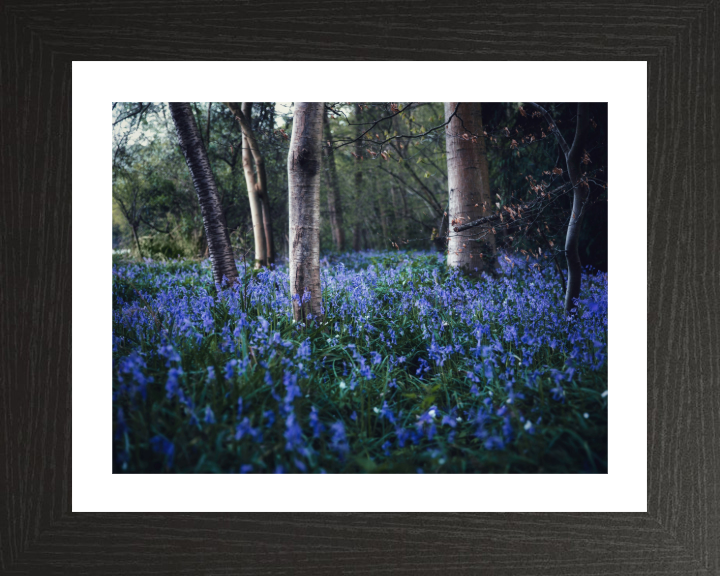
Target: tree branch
(409, 136)
(496, 217)
(553, 127)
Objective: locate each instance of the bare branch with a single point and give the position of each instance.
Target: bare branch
(524, 207)
(553, 127)
(409, 136)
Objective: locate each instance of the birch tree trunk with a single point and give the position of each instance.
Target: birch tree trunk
(252, 188)
(304, 161)
(334, 205)
(191, 144)
(261, 181)
(469, 185)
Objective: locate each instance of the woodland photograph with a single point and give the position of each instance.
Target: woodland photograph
(360, 287)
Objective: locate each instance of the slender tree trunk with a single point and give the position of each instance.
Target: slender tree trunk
(581, 190)
(255, 200)
(442, 232)
(334, 205)
(580, 196)
(357, 233)
(469, 185)
(137, 240)
(398, 219)
(257, 181)
(383, 221)
(304, 162)
(261, 183)
(221, 253)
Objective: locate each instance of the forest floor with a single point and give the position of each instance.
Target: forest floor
(416, 369)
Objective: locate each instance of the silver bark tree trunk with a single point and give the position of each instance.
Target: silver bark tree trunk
(252, 188)
(469, 186)
(304, 162)
(261, 181)
(191, 144)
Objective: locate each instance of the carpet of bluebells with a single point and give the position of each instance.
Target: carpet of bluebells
(415, 369)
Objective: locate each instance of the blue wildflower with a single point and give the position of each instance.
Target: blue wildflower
(209, 416)
(162, 445)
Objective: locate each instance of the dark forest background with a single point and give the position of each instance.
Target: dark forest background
(391, 195)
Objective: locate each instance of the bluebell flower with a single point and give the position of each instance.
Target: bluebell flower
(293, 434)
(303, 351)
(162, 445)
(494, 443)
(292, 390)
(173, 383)
(425, 422)
(170, 353)
(230, 369)
(402, 436)
(365, 370)
(246, 429)
(339, 440)
(449, 420)
(269, 415)
(558, 393)
(387, 413)
(209, 416)
(315, 423)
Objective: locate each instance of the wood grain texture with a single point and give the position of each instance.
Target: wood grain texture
(679, 535)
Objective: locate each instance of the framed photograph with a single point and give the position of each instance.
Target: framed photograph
(79, 498)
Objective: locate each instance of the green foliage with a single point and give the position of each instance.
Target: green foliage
(167, 247)
(391, 193)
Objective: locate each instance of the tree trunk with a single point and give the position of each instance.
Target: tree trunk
(304, 162)
(221, 253)
(261, 182)
(398, 219)
(581, 189)
(207, 128)
(357, 233)
(252, 185)
(334, 206)
(137, 240)
(469, 184)
(383, 222)
(580, 196)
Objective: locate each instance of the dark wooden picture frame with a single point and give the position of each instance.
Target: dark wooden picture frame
(680, 533)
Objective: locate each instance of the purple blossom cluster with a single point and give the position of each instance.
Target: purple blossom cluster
(412, 367)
